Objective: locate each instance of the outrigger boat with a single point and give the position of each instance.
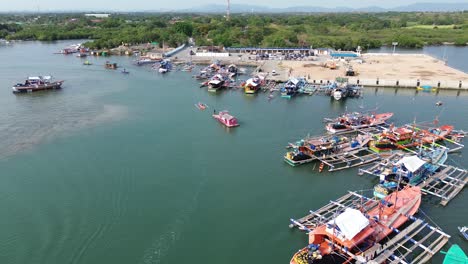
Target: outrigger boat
(410, 170)
(405, 137)
(232, 70)
(355, 121)
(226, 119)
(252, 85)
(164, 66)
(216, 83)
(346, 91)
(354, 230)
(39, 83)
(292, 87)
(310, 149)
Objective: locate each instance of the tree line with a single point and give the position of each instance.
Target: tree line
(340, 31)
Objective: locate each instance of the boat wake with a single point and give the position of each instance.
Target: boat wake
(161, 246)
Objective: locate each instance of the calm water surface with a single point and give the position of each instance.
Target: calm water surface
(124, 169)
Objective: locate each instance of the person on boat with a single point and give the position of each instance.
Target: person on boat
(214, 111)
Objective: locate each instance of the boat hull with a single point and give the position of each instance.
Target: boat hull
(37, 88)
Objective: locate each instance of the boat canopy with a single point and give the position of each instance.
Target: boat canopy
(252, 82)
(351, 222)
(215, 81)
(412, 163)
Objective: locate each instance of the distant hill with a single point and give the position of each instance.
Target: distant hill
(239, 8)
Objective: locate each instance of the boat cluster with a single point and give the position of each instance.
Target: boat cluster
(217, 77)
(409, 161)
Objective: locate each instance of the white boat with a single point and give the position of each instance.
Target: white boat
(337, 94)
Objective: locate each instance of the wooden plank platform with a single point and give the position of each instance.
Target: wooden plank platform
(333, 209)
(415, 244)
(445, 184)
(350, 159)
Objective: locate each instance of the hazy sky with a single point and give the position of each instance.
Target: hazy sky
(131, 5)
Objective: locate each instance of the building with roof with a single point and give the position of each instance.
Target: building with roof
(98, 15)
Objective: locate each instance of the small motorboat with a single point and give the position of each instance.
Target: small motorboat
(87, 63)
(124, 71)
(201, 106)
(439, 103)
(110, 65)
(464, 231)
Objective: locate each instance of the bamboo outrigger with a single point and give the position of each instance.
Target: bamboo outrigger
(445, 184)
(414, 243)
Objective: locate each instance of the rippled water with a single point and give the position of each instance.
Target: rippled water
(124, 169)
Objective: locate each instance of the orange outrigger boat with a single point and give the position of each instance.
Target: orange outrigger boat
(406, 137)
(353, 231)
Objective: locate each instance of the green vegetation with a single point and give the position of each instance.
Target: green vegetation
(339, 31)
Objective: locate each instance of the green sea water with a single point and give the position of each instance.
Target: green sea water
(124, 169)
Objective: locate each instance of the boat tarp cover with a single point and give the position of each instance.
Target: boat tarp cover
(455, 255)
(351, 222)
(412, 163)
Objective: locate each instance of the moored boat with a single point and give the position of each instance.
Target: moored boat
(410, 170)
(232, 70)
(308, 149)
(345, 91)
(39, 83)
(164, 66)
(252, 85)
(355, 230)
(292, 87)
(216, 83)
(394, 138)
(226, 119)
(356, 121)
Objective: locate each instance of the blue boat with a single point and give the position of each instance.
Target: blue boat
(292, 87)
(410, 170)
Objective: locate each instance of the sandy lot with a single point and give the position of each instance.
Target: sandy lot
(391, 67)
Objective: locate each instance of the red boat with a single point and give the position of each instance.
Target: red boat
(353, 230)
(226, 119)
